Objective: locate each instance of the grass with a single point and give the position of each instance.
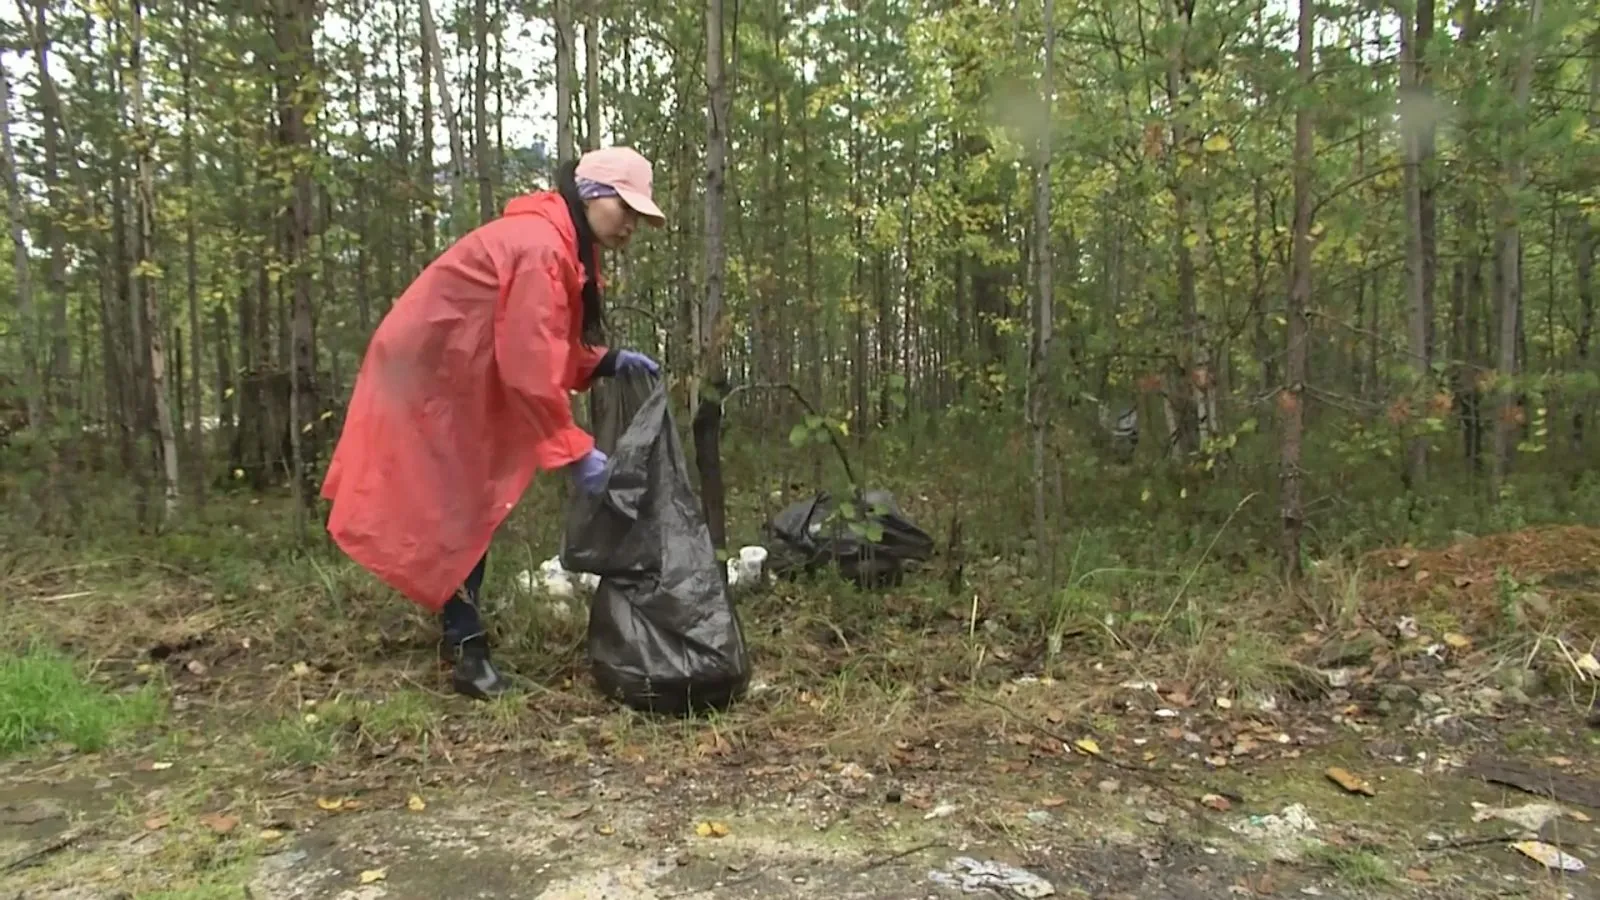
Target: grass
(315, 680)
(45, 697)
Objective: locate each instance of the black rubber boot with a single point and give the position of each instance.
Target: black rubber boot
(475, 675)
(467, 645)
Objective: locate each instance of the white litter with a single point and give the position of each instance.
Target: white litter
(971, 876)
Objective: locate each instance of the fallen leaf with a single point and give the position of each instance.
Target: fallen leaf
(221, 824)
(1577, 816)
(1087, 745)
(1402, 563)
(1216, 802)
(353, 804)
(577, 812)
(1462, 581)
(1457, 640)
(711, 829)
(1548, 856)
(1588, 665)
(1420, 875)
(301, 670)
(270, 834)
(1422, 576)
(160, 766)
(1053, 802)
(328, 804)
(156, 823)
(1349, 781)
(416, 804)
(1224, 703)
(372, 876)
(607, 830)
(1560, 762)
(195, 667)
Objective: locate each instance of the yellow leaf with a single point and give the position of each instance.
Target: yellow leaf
(270, 834)
(1087, 745)
(1458, 641)
(711, 829)
(416, 804)
(372, 876)
(1218, 143)
(328, 804)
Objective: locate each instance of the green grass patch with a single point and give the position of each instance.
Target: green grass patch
(46, 697)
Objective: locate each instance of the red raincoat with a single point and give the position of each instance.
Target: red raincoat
(461, 398)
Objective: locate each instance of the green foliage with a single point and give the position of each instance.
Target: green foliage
(45, 697)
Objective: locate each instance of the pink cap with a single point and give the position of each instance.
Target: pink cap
(628, 173)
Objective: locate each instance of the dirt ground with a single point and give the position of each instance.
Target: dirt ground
(304, 755)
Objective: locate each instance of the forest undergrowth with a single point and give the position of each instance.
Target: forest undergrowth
(228, 638)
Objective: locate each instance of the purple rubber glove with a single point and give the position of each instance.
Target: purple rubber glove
(590, 472)
(634, 361)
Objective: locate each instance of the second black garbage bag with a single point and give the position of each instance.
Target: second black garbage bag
(664, 636)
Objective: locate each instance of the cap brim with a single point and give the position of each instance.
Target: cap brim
(644, 206)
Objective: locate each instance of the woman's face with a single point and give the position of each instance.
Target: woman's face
(613, 222)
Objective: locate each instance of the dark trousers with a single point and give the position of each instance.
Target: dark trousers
(461, 619)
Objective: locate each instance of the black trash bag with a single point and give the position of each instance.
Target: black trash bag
(663, 633)
(807, 536)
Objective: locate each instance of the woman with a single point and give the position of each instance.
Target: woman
(463, 395)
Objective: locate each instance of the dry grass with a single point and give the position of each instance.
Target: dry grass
(1522, 579)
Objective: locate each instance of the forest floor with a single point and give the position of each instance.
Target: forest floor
(227, 735)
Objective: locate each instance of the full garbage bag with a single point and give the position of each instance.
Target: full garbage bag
(664, 636)
(871, 544)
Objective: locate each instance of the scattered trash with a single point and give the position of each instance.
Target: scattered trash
(1351, 782)
(870, 539)
(942, 811)
(1284, 834)
(1530, 817)
(1548, 856)
(971, 876)
(1407, 628)
(745, 571)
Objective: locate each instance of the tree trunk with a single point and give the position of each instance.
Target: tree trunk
(458, 151)
(51, 126)
(191, 265)
(1044, 305)
(294, 34)
(1507, 420)
(15, 216)
(1292, 405)
(708, 363)
(145, 268)
(1421, 363)
(565, 73)
(481, 155)
(591, 74)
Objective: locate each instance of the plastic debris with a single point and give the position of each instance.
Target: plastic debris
(1548, 856)
(971, 876)
(1530, 817)
(1284, 834)
(745, 570)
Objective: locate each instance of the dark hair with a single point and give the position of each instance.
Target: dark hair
(594, 306)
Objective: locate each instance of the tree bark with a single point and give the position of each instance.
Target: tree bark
(1420, 360)
(1292, 405)
(145, 268)
(1508, 419)
(481, 154)
(1044, 305)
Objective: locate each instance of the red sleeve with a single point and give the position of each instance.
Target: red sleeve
(587, 359)
(533, 346)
